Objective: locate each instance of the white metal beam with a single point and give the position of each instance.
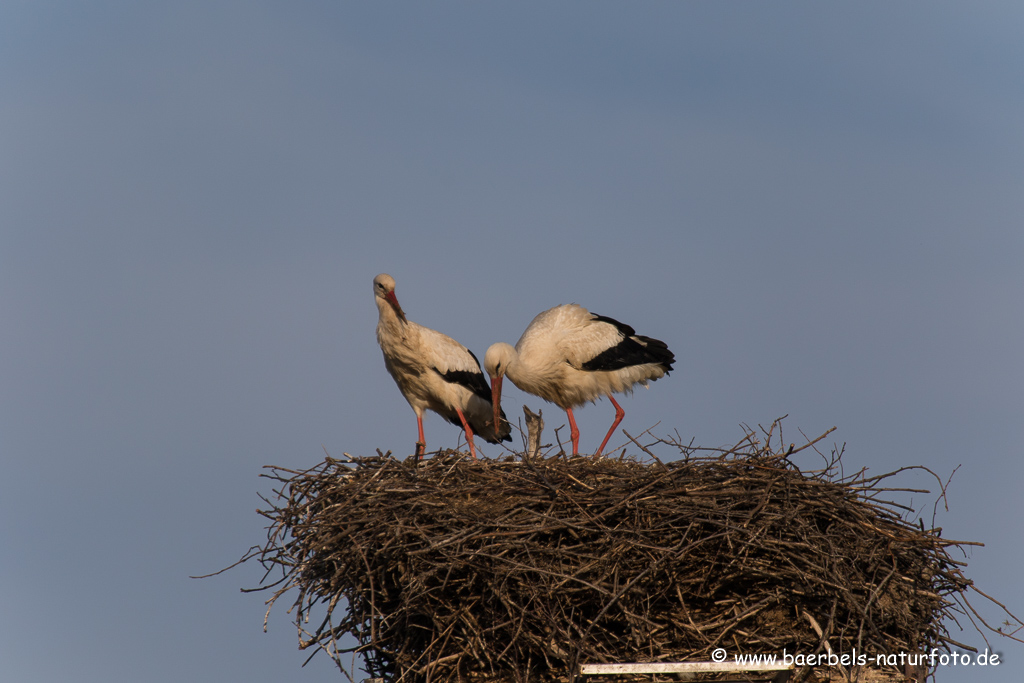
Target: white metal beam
(680, 667)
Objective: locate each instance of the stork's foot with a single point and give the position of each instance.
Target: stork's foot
(421, 447)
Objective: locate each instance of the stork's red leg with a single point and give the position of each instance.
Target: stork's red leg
(469, 433)
(619, 414)
(421, 445)
(574, 432)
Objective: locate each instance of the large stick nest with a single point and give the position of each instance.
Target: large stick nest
(523, 568)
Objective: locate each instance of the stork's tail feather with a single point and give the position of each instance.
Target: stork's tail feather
(504, 432)
(482, 426)
(657, 351)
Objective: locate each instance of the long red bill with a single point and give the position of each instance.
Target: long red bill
(393, 300)
(496, 402)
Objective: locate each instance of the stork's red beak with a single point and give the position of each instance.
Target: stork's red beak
(496, 402)
(393, 300)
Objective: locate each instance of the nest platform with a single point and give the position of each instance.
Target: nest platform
(523, 568)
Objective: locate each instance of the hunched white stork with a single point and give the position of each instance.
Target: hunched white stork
(434, 371)
(570, 356)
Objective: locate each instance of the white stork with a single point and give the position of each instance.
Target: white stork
(570, 356)
(434, 371)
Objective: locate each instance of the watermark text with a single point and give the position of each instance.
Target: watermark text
(854, 658)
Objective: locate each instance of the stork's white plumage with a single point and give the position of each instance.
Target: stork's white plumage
(570, 356)
(434, 371)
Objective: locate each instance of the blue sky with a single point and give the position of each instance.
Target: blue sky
(818, 206)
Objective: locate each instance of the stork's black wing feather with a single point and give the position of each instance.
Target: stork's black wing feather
(633, 349)
(475, 382)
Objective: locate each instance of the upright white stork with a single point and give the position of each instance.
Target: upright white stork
(570, 356)
(434, 371)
